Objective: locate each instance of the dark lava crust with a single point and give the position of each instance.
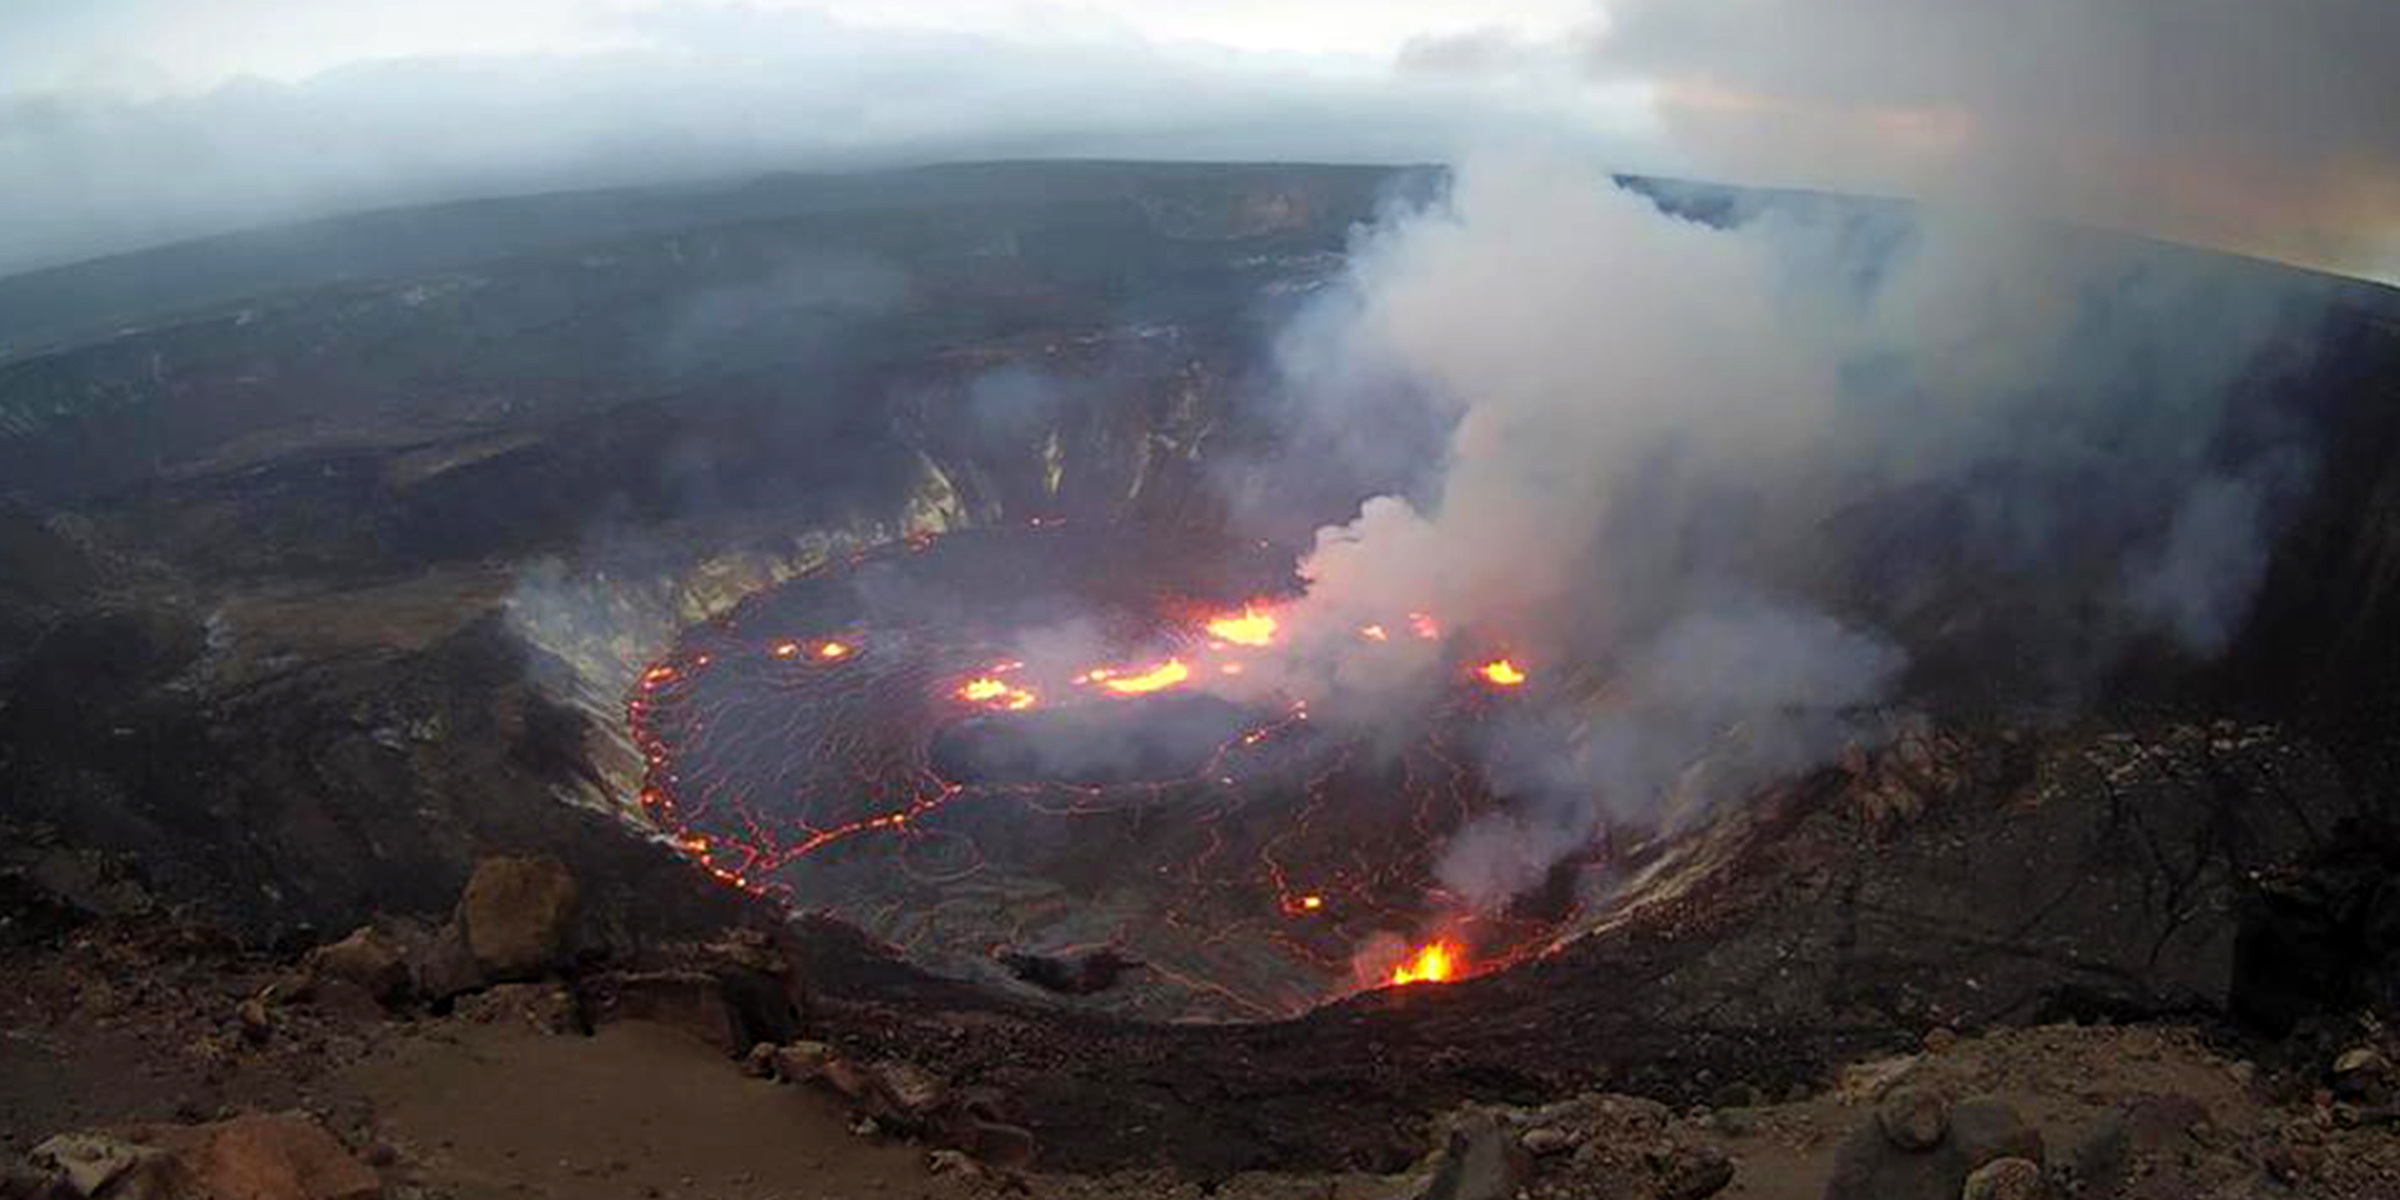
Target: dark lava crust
(813, 744)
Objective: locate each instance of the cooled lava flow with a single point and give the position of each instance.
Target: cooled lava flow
(997, 747)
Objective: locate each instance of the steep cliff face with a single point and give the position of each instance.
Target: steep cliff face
(2320, 634)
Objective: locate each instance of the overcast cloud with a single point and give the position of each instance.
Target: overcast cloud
(2263, 127)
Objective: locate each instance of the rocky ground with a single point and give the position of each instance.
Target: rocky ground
(501, 1055)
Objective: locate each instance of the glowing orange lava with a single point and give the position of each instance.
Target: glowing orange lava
(833, 650)
(997, 693)
(1312, 903)
(1501, 671)
(1249, 627)
(1374, 633)
(1424, 626)
(1164, 675)
(1435, 962)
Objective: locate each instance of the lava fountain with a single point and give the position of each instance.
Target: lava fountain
(1434, 962)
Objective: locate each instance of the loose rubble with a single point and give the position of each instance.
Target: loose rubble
(2058, 1112)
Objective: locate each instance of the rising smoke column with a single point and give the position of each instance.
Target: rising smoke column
(1679, 453)
(2263, 128)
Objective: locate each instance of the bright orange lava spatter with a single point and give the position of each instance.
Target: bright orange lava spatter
(1249, 627)
(1164, 675)
(998, 693)
(1435, 962)
(833, 650)
(1502, 671)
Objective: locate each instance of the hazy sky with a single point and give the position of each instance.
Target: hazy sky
(2262, 126)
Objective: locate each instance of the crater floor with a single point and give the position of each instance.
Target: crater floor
(821, 743)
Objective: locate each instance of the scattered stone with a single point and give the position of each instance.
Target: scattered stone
(913, 1092)
(847, 1079)
(760, 1062)
(953, 1162)
(1940, 1039)
(1545, 1140)
(2292, 1163)
(2005, 1179)
(1003, 1145)
(1481, 1162)
(801, 1062)
(255, 1156)
(2361, 1073)
(443, 968)
(1984, 1128)
(368, 959)
(256, 1023)
(1735, 1095)
(516, 914)
(1694, 1171)
(1927, 1159)
(26, 1183)
(90, 1162)
(1912, 1117)
(2100, 1158)
(269, 1156)
(1869, 1167)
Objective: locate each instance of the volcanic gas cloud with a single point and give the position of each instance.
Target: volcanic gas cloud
(1690, 498)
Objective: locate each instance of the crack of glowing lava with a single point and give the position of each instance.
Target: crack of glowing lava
(815, 750)
(1503, 672)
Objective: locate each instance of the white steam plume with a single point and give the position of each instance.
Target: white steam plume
(1718, 484)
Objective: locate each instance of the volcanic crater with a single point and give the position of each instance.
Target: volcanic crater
(307, 641)
(877, 742)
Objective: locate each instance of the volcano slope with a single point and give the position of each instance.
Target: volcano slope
(321, 584)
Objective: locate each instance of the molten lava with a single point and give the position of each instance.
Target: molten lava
(1240, 853)
(1164, 675)
(1435, 962)
(1501, 671)
(997, 693)
(1249, 627)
